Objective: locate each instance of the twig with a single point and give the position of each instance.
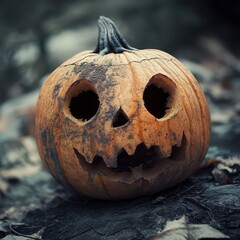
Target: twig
(194, 200)
(73, 236)
(215, 47)
(73, 202)
(20, 234)
(109, 234)
(97, 232)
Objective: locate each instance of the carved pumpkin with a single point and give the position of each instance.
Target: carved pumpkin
(119, 122)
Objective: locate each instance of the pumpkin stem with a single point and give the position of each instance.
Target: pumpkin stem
(110, 39)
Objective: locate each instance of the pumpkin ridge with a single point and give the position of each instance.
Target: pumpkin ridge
(200, 106)
(140, 55)
(146, 69)
(134, 84)
(104, 186)
(115, 135)
(196, 103)
(196, 96)
(158, 123)
(53, 155)
(171, 73)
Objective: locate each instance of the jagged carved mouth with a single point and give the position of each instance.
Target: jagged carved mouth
(143, 156)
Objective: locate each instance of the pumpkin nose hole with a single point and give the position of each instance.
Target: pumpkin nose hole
(120, 119)
(85, 105)
(155, 100)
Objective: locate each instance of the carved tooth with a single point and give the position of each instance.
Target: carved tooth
(129, 149)
(148, 145)
(166, 150)
(110, 162)
(129, 158)
(81, 159)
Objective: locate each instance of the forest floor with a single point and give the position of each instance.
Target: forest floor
(34, 206)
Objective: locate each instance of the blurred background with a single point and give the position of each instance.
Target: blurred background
(36, 36)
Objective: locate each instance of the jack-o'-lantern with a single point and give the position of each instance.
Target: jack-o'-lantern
(119, 122)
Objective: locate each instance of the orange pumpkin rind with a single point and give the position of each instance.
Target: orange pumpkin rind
(119, 122)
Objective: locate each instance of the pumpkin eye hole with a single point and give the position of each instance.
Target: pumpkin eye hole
(155, 100)
(84, 105)
(160, 96)
(120, 119)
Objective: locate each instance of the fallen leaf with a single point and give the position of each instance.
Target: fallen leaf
(4, 227)
(18, 236)
(227, 170)
(181, 230)
(3, 187)
(158, 199)
(220, 176)
(20, 172)
(231, 164)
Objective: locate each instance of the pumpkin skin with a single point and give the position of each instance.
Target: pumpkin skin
(141, 154)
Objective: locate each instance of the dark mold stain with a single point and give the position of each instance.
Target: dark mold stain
(103, 137)
(88, 134)
(71, 134)
(44, 137)
(166, 135)
(49, 141)
(60, 103)
(130, 136)
(174, 136)
(95, 73)
(91, 71)
(79, 67)
(56, 90)
(110, 113)
(84, 136)
(67, 121)
(67, 75)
